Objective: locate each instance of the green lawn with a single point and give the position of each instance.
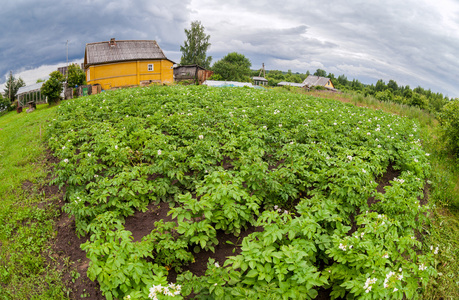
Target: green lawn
(26, 216)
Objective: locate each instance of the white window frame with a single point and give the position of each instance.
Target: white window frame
(151, 67)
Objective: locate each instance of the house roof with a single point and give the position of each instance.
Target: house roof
(258, 78)
(190, 66)
(312, 80)
(116, 51)
(30, 88)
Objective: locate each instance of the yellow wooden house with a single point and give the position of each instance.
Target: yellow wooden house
(312, 81)
(115, 64)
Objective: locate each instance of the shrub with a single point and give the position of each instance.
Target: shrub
(449, 122)
(4, 105)
(52, 88)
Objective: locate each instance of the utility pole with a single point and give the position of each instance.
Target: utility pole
(9, 85)
(67, 73)
(262, 70)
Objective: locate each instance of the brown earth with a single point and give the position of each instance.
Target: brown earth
(67, 249)
(384, 181)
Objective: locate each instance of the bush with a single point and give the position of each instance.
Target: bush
(52, 88)
(5, 105)
(449, 122)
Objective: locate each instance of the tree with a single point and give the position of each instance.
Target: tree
(195, 47)
(419, 101)
(392, 85)
(52, 88)
(342, 79)
(12, 86)
(321, 73)
(75, 76)
(233, 66)
(380, 86)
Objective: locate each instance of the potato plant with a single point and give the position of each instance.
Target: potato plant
(300, 168)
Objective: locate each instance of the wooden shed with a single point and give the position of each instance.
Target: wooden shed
(115, 64)
(258, 80)
(193, 73)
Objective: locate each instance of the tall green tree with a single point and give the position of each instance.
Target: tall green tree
(392, 85)
(52, 88)
(234, 66)
(75, 76)
(194, 50)
(320, 72)
(380, 86)
(12, 86)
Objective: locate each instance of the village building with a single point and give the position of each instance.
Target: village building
(312, 81)
(192, 73)
(116, 64)
(258, 80)
(30, 94)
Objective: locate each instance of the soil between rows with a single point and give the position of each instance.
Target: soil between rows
(67, 244)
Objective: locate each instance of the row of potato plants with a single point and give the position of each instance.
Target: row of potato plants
(302, 168)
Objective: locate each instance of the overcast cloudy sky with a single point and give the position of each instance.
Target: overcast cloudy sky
(415, 42)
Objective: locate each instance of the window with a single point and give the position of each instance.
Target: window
(150, 67)
(88, 77)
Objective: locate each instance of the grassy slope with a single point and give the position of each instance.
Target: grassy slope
(25, 274)
(26, 216)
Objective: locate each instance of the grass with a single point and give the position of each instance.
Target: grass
(26, 215)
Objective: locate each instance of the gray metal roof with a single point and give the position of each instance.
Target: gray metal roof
(216, 83)
(258, 78)
(103, 52)
(30, 88)
(315, 81)
(282, 83)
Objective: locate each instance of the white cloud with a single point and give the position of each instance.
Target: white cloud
(31, 76)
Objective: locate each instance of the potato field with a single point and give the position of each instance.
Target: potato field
(305, 174)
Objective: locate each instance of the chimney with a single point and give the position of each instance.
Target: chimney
(112, 42)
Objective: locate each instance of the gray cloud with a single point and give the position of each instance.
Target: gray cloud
(38, 31)
(412, 42)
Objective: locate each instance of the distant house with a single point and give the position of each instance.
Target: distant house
(115, 64)
(193, 73)
(258, 80)
(312, 81)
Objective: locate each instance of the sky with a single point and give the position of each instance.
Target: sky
(412, 42)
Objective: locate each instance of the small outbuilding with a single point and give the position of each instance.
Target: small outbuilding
(194, 73)
(258, 80)
(30, 93)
